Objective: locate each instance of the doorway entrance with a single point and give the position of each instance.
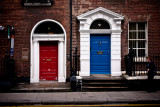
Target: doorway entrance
(48, 52)
(100, 54)
(100, 21)
(48, 60)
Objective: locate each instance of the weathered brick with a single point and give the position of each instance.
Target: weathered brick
(24, 18)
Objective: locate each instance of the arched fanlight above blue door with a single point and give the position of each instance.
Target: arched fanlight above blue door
(100, 24)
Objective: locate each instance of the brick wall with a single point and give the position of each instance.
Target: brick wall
(132, 10)
(23, 19)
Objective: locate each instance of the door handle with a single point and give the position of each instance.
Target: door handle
(43, 59)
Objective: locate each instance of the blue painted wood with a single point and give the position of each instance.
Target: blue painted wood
(100, 62)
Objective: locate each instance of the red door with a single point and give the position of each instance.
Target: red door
(48, 60)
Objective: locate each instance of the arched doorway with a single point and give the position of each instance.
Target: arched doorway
(100, 48)
(48, 52)
(108, 23)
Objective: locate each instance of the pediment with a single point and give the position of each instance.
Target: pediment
(102, 11)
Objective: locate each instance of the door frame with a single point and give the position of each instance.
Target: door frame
(97, 34)
(114, 20)
(34, 52)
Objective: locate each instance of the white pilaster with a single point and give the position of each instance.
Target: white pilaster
(61, 75)
(116, 53)
(85, 54)
(35, 76)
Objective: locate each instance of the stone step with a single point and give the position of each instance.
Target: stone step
(21, 90)
(103, 84)
(42, 86)
(102, 80)
(102, 87)
(98, 89)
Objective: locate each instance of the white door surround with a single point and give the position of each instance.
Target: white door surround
(34, 46)
(114, 20)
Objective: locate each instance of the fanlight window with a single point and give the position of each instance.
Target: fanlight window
(48, 28)
(100, 24)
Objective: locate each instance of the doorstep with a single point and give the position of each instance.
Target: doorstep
(43, 86)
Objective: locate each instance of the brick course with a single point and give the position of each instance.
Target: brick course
(24, 18)
(133, 11)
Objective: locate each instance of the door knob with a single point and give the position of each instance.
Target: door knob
(43, 59)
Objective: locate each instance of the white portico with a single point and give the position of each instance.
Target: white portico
(114, 21)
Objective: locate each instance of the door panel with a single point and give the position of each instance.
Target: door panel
(100, 54)
(48, 60)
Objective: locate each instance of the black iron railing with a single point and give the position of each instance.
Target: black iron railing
(137, 66)
(76, 63)
(75, 80)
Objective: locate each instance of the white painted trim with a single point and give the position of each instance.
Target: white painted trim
(114, 20)
(101, 31)
(48, 37)
(34, 46)
(61, 76)
(137, 31)
(101, 10)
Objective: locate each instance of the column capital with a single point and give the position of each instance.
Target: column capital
(35, 40)
(116, 31)
(61, 40)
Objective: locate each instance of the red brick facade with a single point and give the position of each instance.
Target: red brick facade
(133, 11)
(24, 18)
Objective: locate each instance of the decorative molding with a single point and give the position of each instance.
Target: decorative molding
(103, 11)
(100, 31)
(114, 20)
(84, 31)
(48, 36)
(116, 31)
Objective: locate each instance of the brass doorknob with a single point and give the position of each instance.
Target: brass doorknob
(43, 59)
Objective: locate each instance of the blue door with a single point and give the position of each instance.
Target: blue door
(100, 54)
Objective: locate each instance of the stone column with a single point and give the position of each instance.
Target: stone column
(116, 53)
(84, 53)
(61, 75)
(35, 77)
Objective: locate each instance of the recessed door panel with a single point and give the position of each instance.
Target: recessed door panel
(100, 54)
(48, 60)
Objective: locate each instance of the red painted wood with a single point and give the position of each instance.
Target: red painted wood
(48, 60)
